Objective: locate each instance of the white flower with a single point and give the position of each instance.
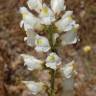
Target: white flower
(29, 21)
(69, 38)
(53, 61)
(66, 23)
(41, 44)
(35, 4)
(34, 87)
(46, 15)
(57, 6)
(30, 39)
(31, 62)
(68, 69)
(26, 26)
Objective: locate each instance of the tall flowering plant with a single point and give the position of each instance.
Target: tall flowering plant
(59, 28)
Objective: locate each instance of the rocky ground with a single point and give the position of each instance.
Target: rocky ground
(12, 45)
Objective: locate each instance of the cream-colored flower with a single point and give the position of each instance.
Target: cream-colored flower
(34, 87)
(57, 6)
(41, 44)
(53, 61)
(66, 23)
(68, 69)
(31, 62)
(29, 20)
(46, 15)
(69, 38)
(35, 5)
(30, 39)
(25, 25)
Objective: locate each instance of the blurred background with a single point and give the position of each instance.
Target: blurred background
(12, 45)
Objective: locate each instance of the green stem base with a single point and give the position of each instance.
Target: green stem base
(52, 93)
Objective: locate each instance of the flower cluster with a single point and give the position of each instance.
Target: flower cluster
(43, 19)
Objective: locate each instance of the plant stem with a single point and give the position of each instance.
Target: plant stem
(52, 81)
(52, 93)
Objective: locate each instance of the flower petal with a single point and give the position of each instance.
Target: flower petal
(42, 49)
(31, 62)
(34, 87)
(53, 61)
(57, 6)
(46, 15)
(29, 20)
(68, 69)
(64, 24)
(21, 24)
(69, 38)
(27, 26)
(42, 44)
(35, 4)
(30, 39)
